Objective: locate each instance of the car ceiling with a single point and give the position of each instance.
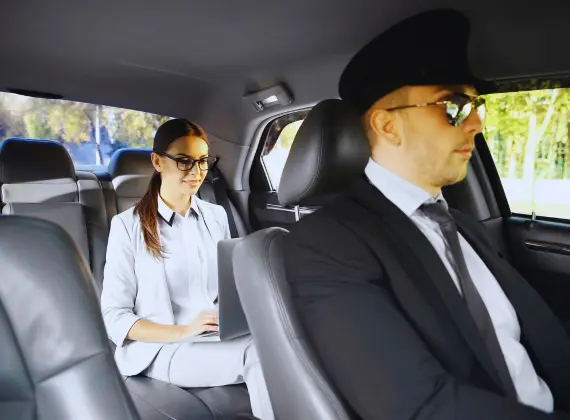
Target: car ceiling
(197, 58)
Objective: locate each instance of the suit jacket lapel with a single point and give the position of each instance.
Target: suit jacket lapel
(420, 260)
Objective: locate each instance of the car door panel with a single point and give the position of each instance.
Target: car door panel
(540, 250)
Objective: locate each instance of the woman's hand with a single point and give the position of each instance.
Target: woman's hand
(205, 321)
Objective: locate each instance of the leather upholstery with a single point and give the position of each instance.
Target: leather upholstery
(130, 162)
(297, 385)
(60, 190)
(129, 189)
(92, 200)
(38, 179)
(68, 215)
(25, 160)
(55, 361)
(130, 170)
(159, 400)
(330, 150)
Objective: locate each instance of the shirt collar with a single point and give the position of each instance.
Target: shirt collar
(168, 215)
(407, 196)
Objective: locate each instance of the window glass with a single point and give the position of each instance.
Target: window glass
(91, 133)
(528, 135)
(280, 137)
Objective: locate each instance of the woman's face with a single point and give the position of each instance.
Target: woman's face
(173, 179)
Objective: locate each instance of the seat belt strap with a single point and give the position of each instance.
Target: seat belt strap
(221, 194)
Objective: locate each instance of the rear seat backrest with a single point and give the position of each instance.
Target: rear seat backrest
(38, 179)
(131, 170)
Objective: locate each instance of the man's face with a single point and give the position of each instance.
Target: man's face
(429, 150)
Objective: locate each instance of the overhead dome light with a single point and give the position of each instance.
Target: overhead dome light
(273, 96)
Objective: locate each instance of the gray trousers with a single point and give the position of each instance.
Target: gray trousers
(210, 364)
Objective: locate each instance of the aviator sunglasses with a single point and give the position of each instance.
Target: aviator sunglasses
(458, 107)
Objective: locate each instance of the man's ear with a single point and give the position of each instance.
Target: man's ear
(156, 162)
(384, 125)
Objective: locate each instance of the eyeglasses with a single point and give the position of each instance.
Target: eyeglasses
(186, 164)
(458, 107)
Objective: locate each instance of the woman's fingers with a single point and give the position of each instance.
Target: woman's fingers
(208, 327)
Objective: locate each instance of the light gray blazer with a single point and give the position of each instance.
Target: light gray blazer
(135, 286)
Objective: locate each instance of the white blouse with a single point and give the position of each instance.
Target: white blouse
(190, 262)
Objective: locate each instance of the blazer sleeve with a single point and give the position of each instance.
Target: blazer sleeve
(376, 359)
(119, 284)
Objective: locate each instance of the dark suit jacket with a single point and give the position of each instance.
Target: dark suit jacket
(390, 326)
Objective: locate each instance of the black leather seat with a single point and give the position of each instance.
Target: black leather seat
(156, 400)
(55, 360)
(328, 153)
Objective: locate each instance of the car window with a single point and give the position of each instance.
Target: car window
(528, 135)
(280, 137)
(91, 133)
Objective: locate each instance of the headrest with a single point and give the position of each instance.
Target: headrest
(27, 160)
(330, 150)
(131, 162)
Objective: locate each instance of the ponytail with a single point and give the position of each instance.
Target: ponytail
(147, 210)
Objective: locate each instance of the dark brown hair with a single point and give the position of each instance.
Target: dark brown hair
(147, 207)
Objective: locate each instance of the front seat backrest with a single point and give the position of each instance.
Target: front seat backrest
(329, 151)
(298, 387)
(55, 360)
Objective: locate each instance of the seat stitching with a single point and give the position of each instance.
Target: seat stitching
(20, 353)
(71, 366)
(211, 410)
(150, 405)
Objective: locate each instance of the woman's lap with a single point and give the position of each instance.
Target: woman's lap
(201, 364)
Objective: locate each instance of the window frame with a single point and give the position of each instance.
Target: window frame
(259, 176)
(490, 166)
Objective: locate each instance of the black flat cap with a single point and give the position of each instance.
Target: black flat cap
(426, 49)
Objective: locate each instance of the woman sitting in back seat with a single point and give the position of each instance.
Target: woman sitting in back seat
(161, 279)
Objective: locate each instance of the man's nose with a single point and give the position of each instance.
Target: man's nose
(474, 122)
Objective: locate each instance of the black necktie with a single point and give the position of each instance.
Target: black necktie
(438, 213)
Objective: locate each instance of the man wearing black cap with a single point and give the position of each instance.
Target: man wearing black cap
(412, 311)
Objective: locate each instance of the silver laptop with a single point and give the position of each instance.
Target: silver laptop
(233, 323)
